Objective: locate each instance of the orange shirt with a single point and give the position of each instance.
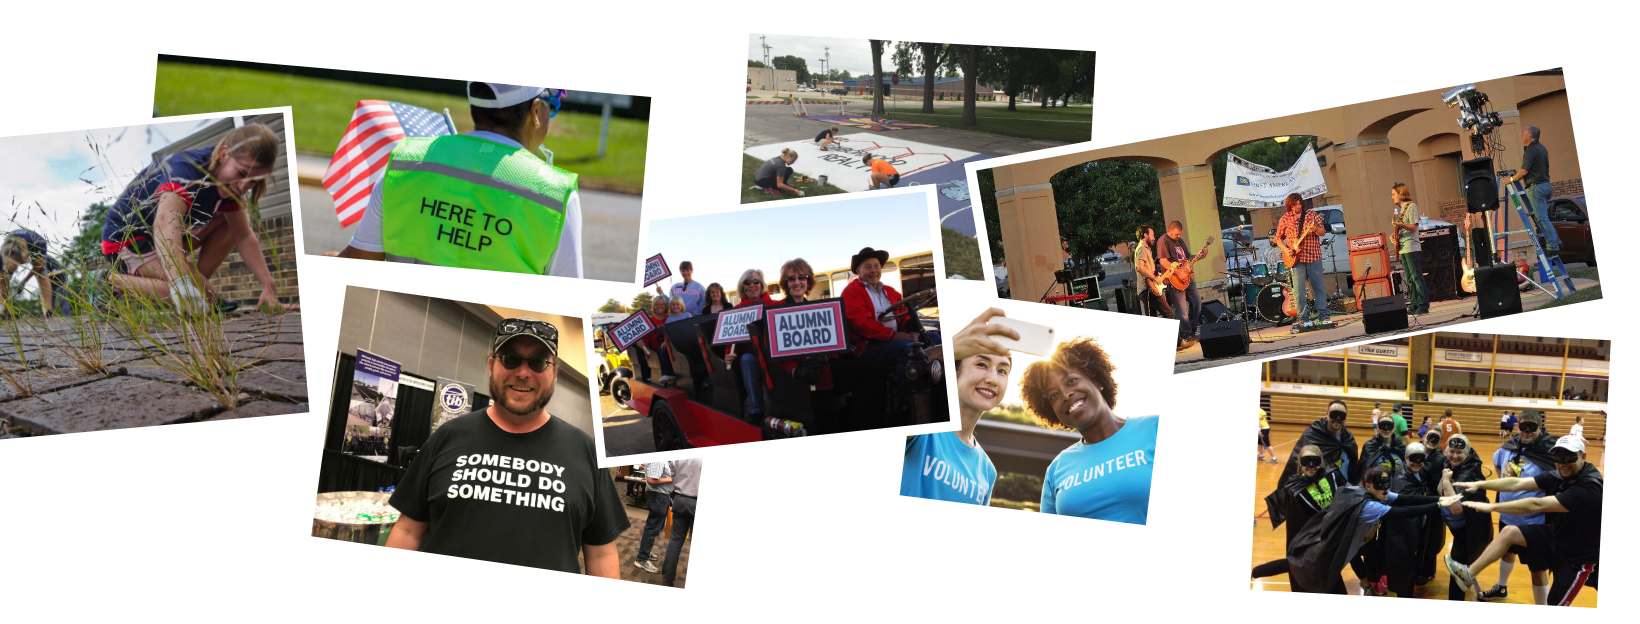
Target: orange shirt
(1449, 428)
(881, 166)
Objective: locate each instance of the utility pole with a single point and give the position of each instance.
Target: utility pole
(825, 66)
(768, 66)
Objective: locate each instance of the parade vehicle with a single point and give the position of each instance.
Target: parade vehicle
(707, 402)
(612, 362)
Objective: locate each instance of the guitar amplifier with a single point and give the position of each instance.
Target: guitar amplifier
(1368, 264)
(1373, 289)
(1367, 241)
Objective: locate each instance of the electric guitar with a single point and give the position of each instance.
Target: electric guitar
(1467, 282)
(1289, 247)
(1178, 275)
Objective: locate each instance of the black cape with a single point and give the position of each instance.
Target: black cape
(1291, 504)
(1328, 541)
(1411, 544)
(1477, 524)
(1536, 451)
(1332, 449)
(1377, 452)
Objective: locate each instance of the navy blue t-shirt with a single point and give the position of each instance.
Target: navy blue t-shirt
(186, 173)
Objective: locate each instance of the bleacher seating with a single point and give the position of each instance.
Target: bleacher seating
(1296, 409)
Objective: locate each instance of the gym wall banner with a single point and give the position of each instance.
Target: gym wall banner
(1251, 185)
(454, 399)
(375, 390)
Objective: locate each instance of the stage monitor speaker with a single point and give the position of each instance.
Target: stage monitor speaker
(1213, 312)
(1373, 289)
(1384, 314)
(1369, 264)
(1497, 291)
(1225, 339)
(1480, 184)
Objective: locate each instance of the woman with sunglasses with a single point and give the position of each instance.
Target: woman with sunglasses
(1385, 448)
(493, 202)
(1413, 545)
(1315, 562)
(751, 293)
(1471, 530)
(1524, 455)
(1305, 494)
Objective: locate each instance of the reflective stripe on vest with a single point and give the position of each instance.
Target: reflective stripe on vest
(462, 201)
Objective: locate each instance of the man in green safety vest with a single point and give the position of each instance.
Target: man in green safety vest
(483, 200)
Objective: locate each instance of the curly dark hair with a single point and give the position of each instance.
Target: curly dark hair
(1081, 355)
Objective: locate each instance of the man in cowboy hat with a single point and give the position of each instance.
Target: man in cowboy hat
(864, 299)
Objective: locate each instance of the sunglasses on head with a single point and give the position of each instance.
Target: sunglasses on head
(1563, 457)
(553, 98)
(1457, 443)
(1338, 415)
(510, 361)
(1417, 458)
(518, 326)
(751, 282)
(1528, 427)
(1310, 461)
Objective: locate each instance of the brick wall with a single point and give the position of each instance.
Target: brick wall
(1452, 210)
(234, 280)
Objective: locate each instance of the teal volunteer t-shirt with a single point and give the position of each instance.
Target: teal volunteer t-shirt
(1105, 481)
(939, 466)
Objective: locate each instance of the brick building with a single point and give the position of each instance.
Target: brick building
(271, 219)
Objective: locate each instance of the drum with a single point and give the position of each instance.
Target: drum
(1269, 302)
(1252, 289)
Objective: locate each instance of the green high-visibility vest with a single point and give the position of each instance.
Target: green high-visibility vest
(462, 201)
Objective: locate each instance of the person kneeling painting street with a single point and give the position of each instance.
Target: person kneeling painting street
(483, 200)
(510, 483)
(883, 174)
(1106, 474)
(192, 202)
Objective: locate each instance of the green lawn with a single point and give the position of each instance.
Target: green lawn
(1583, 294)
(961, 255)
(750, 193)
(322, 109)
(1071, 125)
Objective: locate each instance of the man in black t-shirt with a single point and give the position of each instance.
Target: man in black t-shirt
(1534, 169)
(510, 483)
(1568, 544)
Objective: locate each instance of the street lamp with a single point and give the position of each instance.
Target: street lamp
(1282, 140)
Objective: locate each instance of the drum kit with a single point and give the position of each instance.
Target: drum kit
(1258, 286)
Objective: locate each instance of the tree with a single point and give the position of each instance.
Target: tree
(1014, 69)
(1101, 203)
(795, 64)
(968, 57)
(877, 75)
(755, 63)
(612, 306)
(87, 245)
(908, 54)
(643, 301)
(1265, 152)
(988, 207)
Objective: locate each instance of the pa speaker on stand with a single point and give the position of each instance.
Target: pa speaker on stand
(1496, 291)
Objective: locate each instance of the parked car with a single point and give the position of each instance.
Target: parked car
(839, 91)
(1109, 257)
(1570, 216)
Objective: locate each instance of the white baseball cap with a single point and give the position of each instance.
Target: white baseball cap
(505, 95)
(1416, 447)
(1571, 443)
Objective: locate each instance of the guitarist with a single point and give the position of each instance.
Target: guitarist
(1406, 232)
(1187, 304)
(1144, 262)
(1300, 232)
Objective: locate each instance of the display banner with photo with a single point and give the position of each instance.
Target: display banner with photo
(375, 392)
(454, 399)
(731, 324)
(655, 269)
(631, 330)
(806, 329)
(1251, 185)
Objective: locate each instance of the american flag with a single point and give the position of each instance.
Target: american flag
(377, 126)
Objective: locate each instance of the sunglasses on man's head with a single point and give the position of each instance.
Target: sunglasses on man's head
(1310, 461)
(1338, 415)
(510, 361)
(518, 326)
(1417, 458)
(1528, 427)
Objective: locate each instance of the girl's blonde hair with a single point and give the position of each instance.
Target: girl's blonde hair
(786, 151)
(677, 305)
(252, 142)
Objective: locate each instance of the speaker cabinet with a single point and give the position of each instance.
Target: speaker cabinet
(1497, 291)
(1384, 314)
(1373, 289)
(1213, 311)
(1219, 340)
(1480, 184)
(1369, 264)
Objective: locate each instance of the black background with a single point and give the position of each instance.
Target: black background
(218, 513)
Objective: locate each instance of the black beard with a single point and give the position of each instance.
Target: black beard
(498, 392)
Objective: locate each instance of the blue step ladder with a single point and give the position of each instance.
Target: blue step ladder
(1550, 269)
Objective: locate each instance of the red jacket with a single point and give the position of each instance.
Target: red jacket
(824, 382)
(860, 316)
(767, 301)
(656, 339)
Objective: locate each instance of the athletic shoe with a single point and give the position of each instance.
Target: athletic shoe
(1498, 592)
(1460, 573)
(646, 566)
(1380, 587)
(1273, 460)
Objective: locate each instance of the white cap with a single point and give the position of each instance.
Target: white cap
(1571, 443)
(505, 95)
(1416, 447)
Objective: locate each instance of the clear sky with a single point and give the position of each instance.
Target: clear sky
(48, 180)
(723, 245)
